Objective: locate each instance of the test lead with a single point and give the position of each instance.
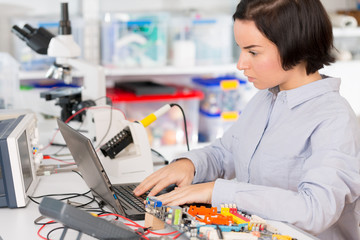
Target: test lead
(153, 116)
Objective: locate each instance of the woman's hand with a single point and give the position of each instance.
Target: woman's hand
(197, 193)
(180, 172)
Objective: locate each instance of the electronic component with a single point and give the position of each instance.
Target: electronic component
(281, 237)
(19, 157)
(200, 222)
(117, 143)
(213, 235)
(83, 221)
(256, 221)
(124, 138)
(226, 212)
(174, 215)
(233, 210)
(210, 215)
(233, 228)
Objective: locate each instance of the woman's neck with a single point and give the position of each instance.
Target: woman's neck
(298, 77)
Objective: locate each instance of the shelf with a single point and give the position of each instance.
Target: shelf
(346, 32)
(168, 70)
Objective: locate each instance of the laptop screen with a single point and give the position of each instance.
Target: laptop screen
(89, 165)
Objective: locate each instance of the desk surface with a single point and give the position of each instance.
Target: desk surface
(19, 223)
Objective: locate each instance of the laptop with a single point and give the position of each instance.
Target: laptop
(118, 197)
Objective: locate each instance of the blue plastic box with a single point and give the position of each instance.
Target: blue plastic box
(221, 106)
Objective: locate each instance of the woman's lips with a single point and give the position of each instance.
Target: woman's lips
(251, 79)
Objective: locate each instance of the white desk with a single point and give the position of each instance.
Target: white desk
(19, 223)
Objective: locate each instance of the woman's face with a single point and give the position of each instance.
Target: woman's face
(259, 57)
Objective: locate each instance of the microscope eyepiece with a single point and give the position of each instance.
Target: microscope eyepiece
(23, 35)
(29, 29)
(64, 24)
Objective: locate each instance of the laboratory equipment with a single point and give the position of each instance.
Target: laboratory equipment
(124, 138)
(83, 221)
(169, 129)
(19, 157)
(134, 162)
(66, 52)
(29, 59)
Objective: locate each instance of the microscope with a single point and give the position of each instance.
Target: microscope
(66, 52)
(133, 162)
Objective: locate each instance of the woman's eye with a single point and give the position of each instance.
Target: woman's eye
(253, 53)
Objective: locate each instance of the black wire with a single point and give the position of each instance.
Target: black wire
(53, 230)
(219, 232)
(78, 173)
(73, 195)
(107, 98)
(37, 221)
(166, 162)
(185, 125)
(108, 129)
(58, 151)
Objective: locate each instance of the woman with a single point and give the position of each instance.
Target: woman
(294, 153)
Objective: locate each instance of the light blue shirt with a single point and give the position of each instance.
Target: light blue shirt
(292, 156)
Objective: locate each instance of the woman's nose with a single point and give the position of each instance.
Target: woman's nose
(242, 63)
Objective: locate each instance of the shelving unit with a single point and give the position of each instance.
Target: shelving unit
(170, 70)
(346, 32)
(158, 71)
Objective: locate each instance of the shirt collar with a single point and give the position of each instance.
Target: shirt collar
(309, 91)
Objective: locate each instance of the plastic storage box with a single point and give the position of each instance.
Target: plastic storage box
(169, 128)
(213, 38)
(200, 40)
(134, 40)
(9, 81)
(222, 103)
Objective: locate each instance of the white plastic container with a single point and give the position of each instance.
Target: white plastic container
(213, 38)
(134, 40)
(9, 81)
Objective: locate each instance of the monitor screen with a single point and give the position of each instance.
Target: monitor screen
(25, 160)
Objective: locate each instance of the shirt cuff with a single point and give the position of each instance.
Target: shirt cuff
(224, 192)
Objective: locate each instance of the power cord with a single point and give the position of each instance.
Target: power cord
(185, 125)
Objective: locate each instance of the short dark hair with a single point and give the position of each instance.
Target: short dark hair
(301, 30)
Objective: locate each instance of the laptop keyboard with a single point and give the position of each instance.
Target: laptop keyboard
(126, 194)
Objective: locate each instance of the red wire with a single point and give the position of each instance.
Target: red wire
(75, 114)
(117, 215)
(60, 160)
(38, 233)
(175, 237)
(162, 234)
(136, 224)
